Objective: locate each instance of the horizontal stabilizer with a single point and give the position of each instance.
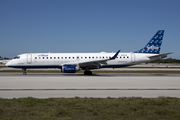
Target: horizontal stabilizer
(161, 55)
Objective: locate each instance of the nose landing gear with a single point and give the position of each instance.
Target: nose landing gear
(24, 71)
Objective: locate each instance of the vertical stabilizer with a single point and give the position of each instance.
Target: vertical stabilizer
(154, 45)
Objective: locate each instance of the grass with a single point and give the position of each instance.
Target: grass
(90, 109)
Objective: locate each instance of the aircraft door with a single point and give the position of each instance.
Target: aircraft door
(29, 58)
(132, 57)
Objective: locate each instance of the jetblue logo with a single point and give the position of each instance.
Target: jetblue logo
(69, 69)
(153, 47)
(43, 55)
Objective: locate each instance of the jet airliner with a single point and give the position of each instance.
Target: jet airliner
(73, 62)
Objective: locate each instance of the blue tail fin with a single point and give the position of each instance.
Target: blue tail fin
(154, 45)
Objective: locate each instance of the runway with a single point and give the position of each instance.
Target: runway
(40, 85)
(107, 69)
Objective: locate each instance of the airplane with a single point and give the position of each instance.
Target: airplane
(73, 62)
(4, 61)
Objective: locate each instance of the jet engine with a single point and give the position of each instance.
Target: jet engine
(69, 68)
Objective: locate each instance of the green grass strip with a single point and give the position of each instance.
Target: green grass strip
(90, 109)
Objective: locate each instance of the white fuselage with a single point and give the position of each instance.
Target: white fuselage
(56, 60)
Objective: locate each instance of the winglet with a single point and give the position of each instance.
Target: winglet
(114, 57)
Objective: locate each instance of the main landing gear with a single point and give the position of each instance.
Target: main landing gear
(87, 72)
(24, 71)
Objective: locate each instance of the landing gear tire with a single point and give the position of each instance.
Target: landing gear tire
(24, 71)
(87, 73)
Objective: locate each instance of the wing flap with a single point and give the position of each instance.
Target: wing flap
(93, 64)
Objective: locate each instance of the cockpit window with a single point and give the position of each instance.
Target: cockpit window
(17, 57)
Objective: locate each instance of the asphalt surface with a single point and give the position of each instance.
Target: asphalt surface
(57, 85)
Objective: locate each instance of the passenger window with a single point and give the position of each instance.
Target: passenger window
(69, 57)
(85, 57)
(73, 57)
(81, 57)
(65, 57)
(43, 57)
(46, 57)
(61, 57)
(54, 57)
(35, 57)
(50, 57)
(89, 57)
(93, 57)
(58, 57)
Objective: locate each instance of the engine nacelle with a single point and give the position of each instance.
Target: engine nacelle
(69, 68)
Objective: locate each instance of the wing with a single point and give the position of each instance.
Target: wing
(94, 63)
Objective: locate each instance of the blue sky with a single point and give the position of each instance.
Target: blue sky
(62, 26)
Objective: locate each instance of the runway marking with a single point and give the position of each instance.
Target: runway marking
(83, 89)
